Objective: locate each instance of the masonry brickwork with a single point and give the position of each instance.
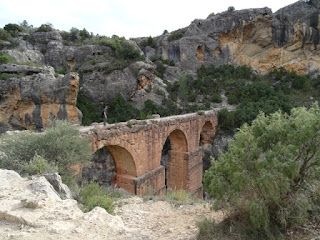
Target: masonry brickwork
(136, 147)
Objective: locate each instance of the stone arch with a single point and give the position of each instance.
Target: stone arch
(176, 168)
(200, 54)
(178, 141)
(205, 140)
(125, 166)
(207, 133)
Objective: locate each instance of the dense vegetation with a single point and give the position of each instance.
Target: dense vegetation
(252, 93)
(268, 181)
(33, 153)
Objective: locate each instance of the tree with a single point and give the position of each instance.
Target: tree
(47, 27)
(231, 9)
(84, 34)
(74, 34)
(13, 29)
(269, 178)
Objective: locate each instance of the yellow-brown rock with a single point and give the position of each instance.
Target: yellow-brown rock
(137, 151)
(34, 101)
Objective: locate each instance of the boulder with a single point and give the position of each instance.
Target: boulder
(55, 180)
(8, 175)
(40, 185)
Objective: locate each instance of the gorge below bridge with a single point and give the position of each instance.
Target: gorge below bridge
(136, 147)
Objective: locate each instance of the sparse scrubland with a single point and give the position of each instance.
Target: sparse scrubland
(267, 183)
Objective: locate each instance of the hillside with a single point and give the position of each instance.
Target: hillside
(147, 68)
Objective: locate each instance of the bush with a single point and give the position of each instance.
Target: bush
(267, 179)
(232, 99)
(70, 148)
(180, 196)
(39, 165)
(5, 59)
(45, 28)
(4, 35)
(13, 29)
(215, 97)
(121, 111)
(175, 35)
(231, 9)
(91, 112)
(95, 196)
(226, 120)
(149, 42)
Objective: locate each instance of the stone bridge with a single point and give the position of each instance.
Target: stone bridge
(136, 147)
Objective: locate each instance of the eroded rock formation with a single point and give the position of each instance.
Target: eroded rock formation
(258, 38)
(33, 97)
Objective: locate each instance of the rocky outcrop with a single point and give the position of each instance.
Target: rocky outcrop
(32, 209)
(55, 180)
(32, 97)
(258, 38)
(33, 213)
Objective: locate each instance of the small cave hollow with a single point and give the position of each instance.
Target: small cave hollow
(200, 54)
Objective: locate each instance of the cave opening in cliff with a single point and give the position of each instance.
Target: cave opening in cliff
(173, 155)
(200, 54)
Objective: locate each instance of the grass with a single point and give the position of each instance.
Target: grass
(93, 195)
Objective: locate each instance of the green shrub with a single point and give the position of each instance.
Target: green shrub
(175, 35)
(39, 165)
(6, 76)
(215, 97)
(232, 99)
(149, 42)
(62, 70)
(4, 35)
(20, 149)
(5, 59)
(95, 196)
(122, 48)
(226, 120)
(180, 196)
(121, 111)
(45, 28)
(267, 179)
(91, 112)
(13, 29)
(299, 82)
(231, 9)
(208, 230)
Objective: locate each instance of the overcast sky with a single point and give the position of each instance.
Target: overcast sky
(128, 18)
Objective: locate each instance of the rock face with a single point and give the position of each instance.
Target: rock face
(33, 97)
(258, 38)
(288, 38)
(32, 209)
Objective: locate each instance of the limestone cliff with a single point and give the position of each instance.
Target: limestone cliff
(259, 38)
(33, 97)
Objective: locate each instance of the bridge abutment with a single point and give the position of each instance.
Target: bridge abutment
(185, 171)
(152, 182)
